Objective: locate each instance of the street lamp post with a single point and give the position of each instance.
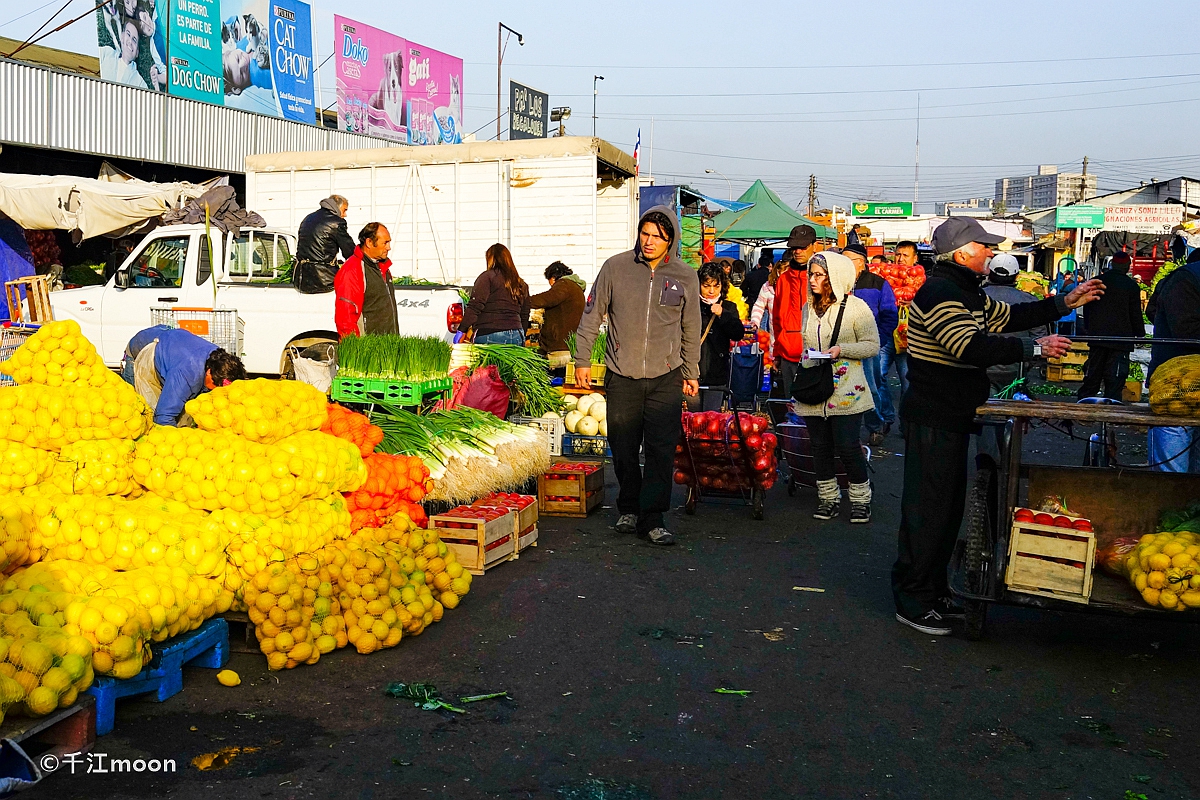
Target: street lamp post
(727, 183)
(500, 29)
(594, 93)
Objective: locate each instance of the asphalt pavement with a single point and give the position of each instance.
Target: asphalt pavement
(612, 650)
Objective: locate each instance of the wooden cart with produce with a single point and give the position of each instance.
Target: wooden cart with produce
(1065, 538)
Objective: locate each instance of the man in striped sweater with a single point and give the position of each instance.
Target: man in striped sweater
(952, 340)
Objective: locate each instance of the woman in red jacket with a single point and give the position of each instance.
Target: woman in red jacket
(499, 307)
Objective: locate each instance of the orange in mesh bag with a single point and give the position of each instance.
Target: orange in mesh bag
(1175, 387)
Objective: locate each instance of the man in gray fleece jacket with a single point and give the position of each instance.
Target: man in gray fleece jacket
(652, 301)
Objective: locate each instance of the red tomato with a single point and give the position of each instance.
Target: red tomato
(1043, 519)
(1082, 525)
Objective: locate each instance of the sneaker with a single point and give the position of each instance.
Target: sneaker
(627, 523)
(947, 607)
(828, 509)
(860, 512)
(931, 623)
(661, 536)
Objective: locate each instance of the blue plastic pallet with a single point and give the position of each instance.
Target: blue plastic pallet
(207, 646)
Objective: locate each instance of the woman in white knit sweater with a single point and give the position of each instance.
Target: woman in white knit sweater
(833, 426)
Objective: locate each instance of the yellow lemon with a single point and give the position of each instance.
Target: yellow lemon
(228, 677)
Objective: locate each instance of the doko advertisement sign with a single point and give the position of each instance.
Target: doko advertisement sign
(395, 89)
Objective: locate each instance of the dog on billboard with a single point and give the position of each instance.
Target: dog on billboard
(390, 97)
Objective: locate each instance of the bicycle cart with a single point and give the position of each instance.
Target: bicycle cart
(726, 455)
(1002, 560)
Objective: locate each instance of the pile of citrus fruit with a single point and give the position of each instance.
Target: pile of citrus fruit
(117, 534)
(1164, 568)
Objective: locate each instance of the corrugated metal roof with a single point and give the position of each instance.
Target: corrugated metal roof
(51, 57)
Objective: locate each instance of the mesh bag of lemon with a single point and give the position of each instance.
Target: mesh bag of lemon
(260, 410)
(219, 470)
(22, 466)
(1164, 569)
(122, 533)
(59, 355)
(41, 668)
(103, 467)
(51, 417)
(17, 528)
(1175, 387)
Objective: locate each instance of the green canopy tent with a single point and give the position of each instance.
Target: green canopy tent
(768, 220)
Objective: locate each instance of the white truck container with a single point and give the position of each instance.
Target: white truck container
(570, 199)
(177, 267)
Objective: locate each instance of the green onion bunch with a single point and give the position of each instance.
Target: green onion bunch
(391, 357)
(525, 371)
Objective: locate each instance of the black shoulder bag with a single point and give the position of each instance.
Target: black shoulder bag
(814, 385)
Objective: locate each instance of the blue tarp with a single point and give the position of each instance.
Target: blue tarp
(12, 266)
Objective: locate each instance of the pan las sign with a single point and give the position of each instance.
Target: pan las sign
(1158, 218)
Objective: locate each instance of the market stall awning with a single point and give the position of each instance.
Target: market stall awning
(767, 220)
(88, 206)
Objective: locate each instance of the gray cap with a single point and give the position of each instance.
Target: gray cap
(958, 231)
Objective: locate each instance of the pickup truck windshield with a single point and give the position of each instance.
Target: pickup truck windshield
(257, 257)
(161, 263)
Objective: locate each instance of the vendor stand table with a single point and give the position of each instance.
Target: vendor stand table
(1118, 501)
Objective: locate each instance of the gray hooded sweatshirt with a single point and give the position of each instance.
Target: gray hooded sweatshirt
(653, 315)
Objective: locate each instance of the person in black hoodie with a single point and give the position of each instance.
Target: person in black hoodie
(1117, 313)
(720, 327)
(757, 278)
(322, 236)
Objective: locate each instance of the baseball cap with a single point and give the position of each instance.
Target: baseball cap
(958, 231)
(855, 248)
(1004, 265)
(801, 236)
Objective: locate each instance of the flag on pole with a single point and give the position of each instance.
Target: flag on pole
(637, 154)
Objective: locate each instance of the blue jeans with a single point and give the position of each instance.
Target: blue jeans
(127, 368)
(873, 418)
(1170, 450)
(502, 337)
(887, 357)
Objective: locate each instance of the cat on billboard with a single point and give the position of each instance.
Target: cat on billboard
(132, 39)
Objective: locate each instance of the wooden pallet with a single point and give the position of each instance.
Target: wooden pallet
(207, 647)
(37, 293)
(67, 730)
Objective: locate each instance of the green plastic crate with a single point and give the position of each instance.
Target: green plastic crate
(380, 390)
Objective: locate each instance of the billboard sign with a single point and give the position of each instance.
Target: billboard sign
(1159, 218)
(528, 112)
(1079, 217)
(433, 96)
(370, 80)
(870, 209)
(292, 60)
(132, 39)
(195, 50)
(396, 89)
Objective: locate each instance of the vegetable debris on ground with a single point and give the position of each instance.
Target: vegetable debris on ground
(424, 695)
(390, 357)
(525, 371)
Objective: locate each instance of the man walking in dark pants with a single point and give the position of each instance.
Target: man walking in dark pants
(951, 343)
(1118, 313)
(652, 301)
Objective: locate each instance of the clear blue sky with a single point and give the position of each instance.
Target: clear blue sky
(782, 90)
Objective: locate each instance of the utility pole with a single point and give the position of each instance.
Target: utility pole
(812, 195)
(594, 95)
(917, 167)
(1083, 180)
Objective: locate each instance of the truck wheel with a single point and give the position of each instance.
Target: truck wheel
(286, 371)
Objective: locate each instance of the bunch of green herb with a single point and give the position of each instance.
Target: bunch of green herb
(424, 695)
(390, 357)
(599, 346)
(525, 371)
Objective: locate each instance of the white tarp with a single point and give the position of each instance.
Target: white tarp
(86, 206)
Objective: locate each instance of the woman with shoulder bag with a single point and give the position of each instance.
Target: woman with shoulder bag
(831, 391)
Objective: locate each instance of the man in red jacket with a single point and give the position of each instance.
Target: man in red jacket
(366, 298)
(791, 291)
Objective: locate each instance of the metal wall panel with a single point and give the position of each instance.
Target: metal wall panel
(106, 118)
(25, 110)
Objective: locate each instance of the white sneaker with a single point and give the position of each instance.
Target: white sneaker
(627, 523)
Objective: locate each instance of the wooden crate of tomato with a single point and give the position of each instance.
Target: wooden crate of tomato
(1051, 555)
(525, 515)
(722, 452)
(571, 488)
(480, 536)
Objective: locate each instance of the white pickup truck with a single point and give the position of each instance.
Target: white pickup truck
(174, 266)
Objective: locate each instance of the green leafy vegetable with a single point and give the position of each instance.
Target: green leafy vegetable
(404, 358)
(524, 370)
(424, 695)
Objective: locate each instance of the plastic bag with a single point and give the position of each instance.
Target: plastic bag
(484, 390)
(1112, 557)
(1175, 387)
(315, 365)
